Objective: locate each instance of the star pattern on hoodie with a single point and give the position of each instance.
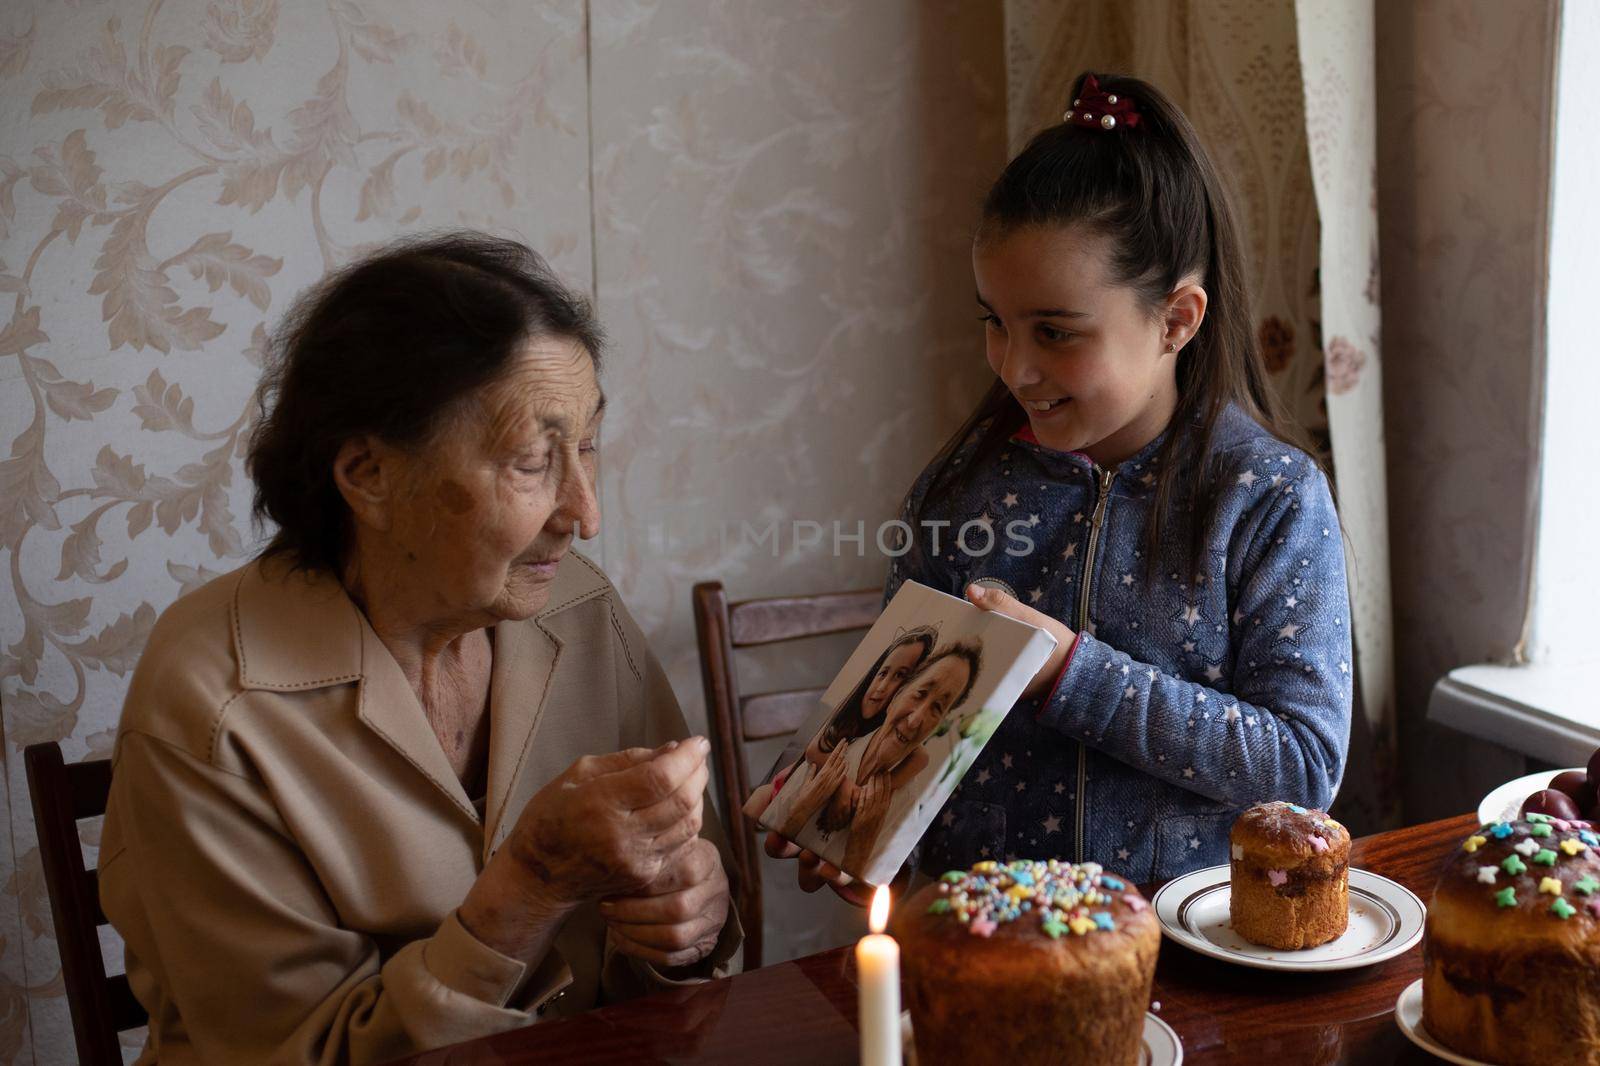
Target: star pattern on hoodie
(1166, 630)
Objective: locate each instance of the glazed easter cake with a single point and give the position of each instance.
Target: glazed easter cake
(1028, 962)
(1511, 951)
(1289, 876)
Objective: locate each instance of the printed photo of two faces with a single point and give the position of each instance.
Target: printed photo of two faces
(898, 728)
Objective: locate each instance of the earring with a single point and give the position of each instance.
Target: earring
(1172, 347)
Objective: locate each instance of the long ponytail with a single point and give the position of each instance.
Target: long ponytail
(1156, 193)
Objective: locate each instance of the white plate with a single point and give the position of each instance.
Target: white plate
(1408, 1012)
(1385, 920)
(1161, 1045)
(1505, 802)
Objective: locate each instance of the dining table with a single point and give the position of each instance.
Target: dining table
(803, 1011)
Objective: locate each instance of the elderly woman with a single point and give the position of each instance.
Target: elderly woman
(412, 776)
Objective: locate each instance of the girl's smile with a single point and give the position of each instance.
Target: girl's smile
(1088, 362)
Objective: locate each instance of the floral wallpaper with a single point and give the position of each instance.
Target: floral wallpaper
(171, 174)
(771, 202)
(784, 196)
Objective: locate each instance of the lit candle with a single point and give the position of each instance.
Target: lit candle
(878, 975)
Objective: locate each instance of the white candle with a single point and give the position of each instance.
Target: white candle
(878, 977)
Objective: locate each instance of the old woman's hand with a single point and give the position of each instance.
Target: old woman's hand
(609, 825)
(872, 802)
(677, 919)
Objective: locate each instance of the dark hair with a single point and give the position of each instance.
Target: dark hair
(388, 346)
(969, 652)
(1153, 190)
(848, 722)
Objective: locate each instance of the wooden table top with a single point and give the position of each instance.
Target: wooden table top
(804, 1011)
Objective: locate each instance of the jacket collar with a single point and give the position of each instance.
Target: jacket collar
(1135, 462)
(295, 631)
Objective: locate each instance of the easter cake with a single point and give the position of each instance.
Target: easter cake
(1028, 962)
(1289, 876)
(1511, 951)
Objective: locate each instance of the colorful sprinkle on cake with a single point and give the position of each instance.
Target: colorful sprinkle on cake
(1058, 895)
(1552, 844)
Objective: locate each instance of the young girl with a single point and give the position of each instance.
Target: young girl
(1130, 476)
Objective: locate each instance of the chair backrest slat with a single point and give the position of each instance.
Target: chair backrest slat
(769, 621)
(777, 714)
(720, 627)
(62, 796)
(90, 784)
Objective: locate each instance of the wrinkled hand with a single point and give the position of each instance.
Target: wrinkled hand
(872, 803)
(992, 599)
(841, 806)
(871, 806)
(811, 871)
(815, 792)
(612, 825)
(676, 919)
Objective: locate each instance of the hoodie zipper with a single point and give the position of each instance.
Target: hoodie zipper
(1105, 477)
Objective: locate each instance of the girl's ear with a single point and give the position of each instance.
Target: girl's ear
(1186, 309)
(367, 473)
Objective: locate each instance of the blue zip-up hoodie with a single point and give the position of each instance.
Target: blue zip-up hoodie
(1186, 698)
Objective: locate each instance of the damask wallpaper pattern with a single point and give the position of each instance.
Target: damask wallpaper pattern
(770, 201)
(171, 175)
(784, 200)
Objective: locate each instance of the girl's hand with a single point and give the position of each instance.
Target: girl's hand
(814, 793)
(992, 599)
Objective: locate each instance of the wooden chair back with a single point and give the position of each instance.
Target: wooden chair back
(720, 628)
(64, 794)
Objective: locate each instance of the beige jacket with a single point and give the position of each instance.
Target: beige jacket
(286, 843)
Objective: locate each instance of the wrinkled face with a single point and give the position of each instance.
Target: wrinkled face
(496, 502)
(894, 669)
(1086, 361)
(916, 711)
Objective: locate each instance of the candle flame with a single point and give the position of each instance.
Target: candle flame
(879, 916)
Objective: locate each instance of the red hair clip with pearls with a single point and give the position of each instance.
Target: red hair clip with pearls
(1096, 109)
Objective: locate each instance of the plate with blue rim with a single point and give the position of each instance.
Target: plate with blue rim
(1386, 920)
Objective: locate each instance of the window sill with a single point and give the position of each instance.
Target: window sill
(1546, 712)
